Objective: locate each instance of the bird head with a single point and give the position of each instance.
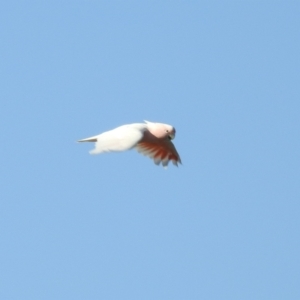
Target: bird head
(161, 130)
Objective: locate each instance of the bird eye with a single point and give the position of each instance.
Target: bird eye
(167, 131)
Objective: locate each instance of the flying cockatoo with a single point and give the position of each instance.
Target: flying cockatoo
(150, 139)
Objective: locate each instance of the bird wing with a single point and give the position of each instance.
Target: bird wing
(119, 139)
(160, 150)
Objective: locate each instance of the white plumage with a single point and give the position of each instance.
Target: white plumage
(150, 139)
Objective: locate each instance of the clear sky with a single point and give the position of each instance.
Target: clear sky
(224, 225)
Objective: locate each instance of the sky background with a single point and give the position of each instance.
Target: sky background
(224, 225)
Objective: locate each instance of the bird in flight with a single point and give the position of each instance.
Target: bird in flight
(150, 139)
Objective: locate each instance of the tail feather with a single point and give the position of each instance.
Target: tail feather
(90, 139)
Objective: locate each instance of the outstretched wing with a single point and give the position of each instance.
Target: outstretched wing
(160, 150)
(120, 139)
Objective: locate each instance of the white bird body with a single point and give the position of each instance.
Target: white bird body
(150, 139)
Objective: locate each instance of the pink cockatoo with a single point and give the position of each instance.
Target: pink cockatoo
(150, 139)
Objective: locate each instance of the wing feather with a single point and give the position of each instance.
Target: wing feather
(161, 151)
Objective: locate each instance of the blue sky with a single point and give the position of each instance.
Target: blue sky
(225, 224)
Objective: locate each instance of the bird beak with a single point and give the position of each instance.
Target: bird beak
(171, 136)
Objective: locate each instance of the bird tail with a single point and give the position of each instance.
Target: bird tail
(90, 139)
